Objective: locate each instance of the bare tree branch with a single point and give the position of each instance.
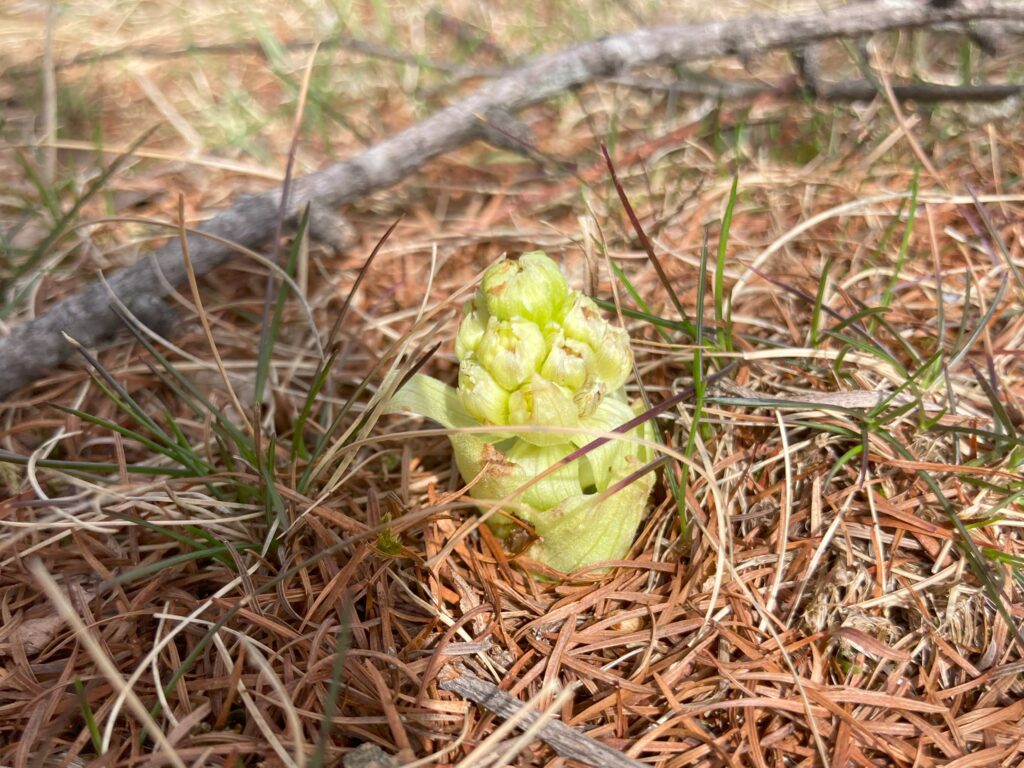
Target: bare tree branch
(838, 91)
(566, 741)
(36, 346)
(351, 44)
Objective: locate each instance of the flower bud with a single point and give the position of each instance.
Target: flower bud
(480, 394)
(542, 403)
(613, 358)
(531, 286)
(511, 351)
(544, 370)
(583, 320)
(589, 396)
(568, 363)
(471, 329)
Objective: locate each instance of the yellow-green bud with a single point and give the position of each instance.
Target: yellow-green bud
(583, 320)
(511, 351)
(613, 358)
(471, 329)
(481, 395)
(543, 369)
(531, 286)
(541, 403)
(568, 363)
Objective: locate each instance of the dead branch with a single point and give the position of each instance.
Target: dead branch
(36, 346)
(841, 91)
(566, 741)
(343, 42)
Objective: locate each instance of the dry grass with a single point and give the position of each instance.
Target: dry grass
(819, 606)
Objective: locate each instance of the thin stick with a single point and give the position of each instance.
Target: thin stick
(567, 742)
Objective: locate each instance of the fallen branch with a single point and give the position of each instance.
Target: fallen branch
(38, 345)
(343, 42)
(840, 91)
(567, 742)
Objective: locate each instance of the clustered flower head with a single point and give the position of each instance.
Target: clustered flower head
(538, 361)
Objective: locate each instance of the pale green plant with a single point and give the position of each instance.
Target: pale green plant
(541, 364)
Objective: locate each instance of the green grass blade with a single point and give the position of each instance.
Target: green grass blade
(908, 231)
(220, 552)
(999, 412)
(95, 736)
(656, 320)
(644, 240)
(637, 298)
(200, 404)
(819, 299)
(965, 348)
(120, 397)
(85, 469)
(341, 646)
(699, 379)
(45, 191)
(724, 323)
(868, 349)
(64, 220)
(157, 447)
(299, 449)
(269, 339)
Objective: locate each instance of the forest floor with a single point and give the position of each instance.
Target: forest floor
(212, 522)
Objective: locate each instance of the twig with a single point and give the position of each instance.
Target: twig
(862, 90)
(37, 346)
(840, 91)
(351, 44)
(566, 741)
(466, 35)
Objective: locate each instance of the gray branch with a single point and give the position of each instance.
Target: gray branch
(566, 741)
(37, 346)
(841, 91)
